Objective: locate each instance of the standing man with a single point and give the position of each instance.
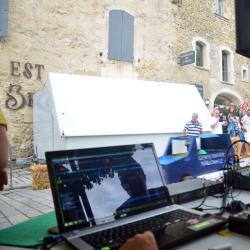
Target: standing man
(193, 127)
(4, 147)
(217, 122)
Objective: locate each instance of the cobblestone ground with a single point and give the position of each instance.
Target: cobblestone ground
(19, 202)
(21, 177)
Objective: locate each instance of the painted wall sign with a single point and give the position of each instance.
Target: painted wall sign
(16, 98)
(27, 71)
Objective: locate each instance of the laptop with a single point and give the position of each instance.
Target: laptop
(105, 195)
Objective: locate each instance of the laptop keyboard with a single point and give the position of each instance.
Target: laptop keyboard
(115, 237)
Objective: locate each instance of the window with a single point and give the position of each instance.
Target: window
(244, 74)
(202, 52)
(226, 65)
(219, 7)
(199, 54)
(121, 36)
(225, 72)
(4, 7)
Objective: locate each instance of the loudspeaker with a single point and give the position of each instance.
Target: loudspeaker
(242, 18)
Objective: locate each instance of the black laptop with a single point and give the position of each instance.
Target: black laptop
(105, 195)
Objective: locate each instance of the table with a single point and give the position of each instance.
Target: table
(238, 242)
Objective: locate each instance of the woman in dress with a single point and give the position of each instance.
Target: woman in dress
(234, 130)
(246, 129)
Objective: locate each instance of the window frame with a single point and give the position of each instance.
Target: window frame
(225, 66)
(199, 47)
(244, 78)
(205, 53)
(220, 7)
(229, 55)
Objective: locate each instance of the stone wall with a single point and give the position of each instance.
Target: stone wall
(199, 19)
(72, 37)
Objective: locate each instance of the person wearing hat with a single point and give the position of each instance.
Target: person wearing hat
(246, 129)
(4, 148)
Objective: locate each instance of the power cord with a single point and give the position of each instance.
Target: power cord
(231, 164)
(198, 208)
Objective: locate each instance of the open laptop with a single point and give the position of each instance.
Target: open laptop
(105, 195)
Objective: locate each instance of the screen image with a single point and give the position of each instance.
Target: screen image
(108, 184)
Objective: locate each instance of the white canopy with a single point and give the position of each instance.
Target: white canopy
(74, 111)
(87, 105)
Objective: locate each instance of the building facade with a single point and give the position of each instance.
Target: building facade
(139, 39)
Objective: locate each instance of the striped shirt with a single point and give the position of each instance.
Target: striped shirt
(193, 129)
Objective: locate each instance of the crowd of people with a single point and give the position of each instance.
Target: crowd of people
(238, 127)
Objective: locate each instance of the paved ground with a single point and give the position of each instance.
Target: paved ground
(21, 177)
(22, 203)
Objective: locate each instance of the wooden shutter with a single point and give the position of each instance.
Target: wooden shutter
(4, 9)
(115, 35)
(127, 37)
(121, 36)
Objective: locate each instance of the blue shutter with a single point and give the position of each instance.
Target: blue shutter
(115, 35)
(127, 51)
(4, 8)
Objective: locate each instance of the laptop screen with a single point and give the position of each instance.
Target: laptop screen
(100, 185)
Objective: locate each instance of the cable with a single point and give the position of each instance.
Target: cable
(229, 174)
(231, 145)
(231, 163)
(204, 198)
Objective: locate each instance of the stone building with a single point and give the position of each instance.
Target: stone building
(208, 27)
(87, 37)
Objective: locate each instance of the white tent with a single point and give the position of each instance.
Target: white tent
(75, 111)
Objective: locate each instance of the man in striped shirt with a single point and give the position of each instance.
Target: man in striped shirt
(193, 127)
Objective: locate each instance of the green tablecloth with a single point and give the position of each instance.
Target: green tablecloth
(29, 233)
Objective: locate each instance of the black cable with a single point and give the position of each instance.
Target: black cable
(229, 174)
(204, 198)
(223, 206)
(231, 145)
